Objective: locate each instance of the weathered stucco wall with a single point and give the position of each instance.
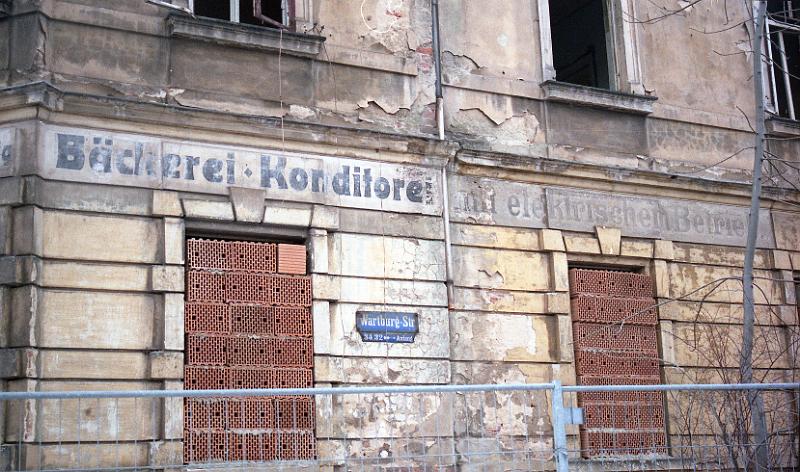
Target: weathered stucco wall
(91, 256)
(375, 70)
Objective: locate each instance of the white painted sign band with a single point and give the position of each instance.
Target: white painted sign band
(499, 202)
(133, 160)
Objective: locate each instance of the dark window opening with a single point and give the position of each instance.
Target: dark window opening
(272, 9)
(269, 13)
(219, 9)
(579, 39)
(783, 48)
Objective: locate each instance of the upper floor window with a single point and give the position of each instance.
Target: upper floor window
(272, 13)
(783, 58)
(583, 46)
(591, 43)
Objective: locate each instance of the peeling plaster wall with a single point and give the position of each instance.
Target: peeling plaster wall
(375, 71)
(509, 317)
(502, 42)
(683, 65)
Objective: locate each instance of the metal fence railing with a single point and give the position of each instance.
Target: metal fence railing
(409, 428)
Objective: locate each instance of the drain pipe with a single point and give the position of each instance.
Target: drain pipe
(437, 67)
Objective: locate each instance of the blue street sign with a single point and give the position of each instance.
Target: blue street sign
(387, 326)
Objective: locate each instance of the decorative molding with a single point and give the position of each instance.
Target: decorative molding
(244, 36)
(599, 98)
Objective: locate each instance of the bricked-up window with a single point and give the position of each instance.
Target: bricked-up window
(582, 43)
(270, 13)
(248, 325)
(615, 339)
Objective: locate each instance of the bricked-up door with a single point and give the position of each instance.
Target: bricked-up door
(615, 338)
(248, 325)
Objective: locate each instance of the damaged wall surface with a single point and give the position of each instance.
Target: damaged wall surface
(126, 128)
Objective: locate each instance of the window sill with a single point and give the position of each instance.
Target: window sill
(783, 127)
(244, 36)
(599, 98)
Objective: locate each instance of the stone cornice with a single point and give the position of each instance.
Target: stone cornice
(45, 102)
(125, 115)
(545, 170)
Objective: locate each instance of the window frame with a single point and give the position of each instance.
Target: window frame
(288, 8)
(771, 97)
(622, 46)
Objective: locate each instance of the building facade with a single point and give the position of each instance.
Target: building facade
(600, 136)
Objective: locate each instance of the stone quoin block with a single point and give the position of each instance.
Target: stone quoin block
(496, 237)
(67, 235)
(90, 364)
(503, 270)
(248, 204)
(166, 203)
(318, 248)
(582, 245)
(102, 320)
(287, 214)
(99, 276)
(610, 240)
(173, 241)
(372, 256)
(208, 209)
(636, 248)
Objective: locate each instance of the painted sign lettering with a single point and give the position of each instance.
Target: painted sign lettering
(120, 159)
(490, 201)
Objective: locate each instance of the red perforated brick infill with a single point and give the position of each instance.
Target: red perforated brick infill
(293, 321)
(202, 286)
(618, 397)
(616, 364)
(201, 317)
(252, 319)
(295, 445)
(258, 446)
(293, 378)
(640, 339)
(601, 309)
(294, 291)
(595, 444)
(291, 259)
(610, 283)
(252, 377)
(636, 416)
(206, 349)
(251, 351)
(229, 413)
(205, 378)
(253, 257)
(207, 254)
(294, 412)
(249, 288)
(294, 352)
(209, 446)
(203, 413)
